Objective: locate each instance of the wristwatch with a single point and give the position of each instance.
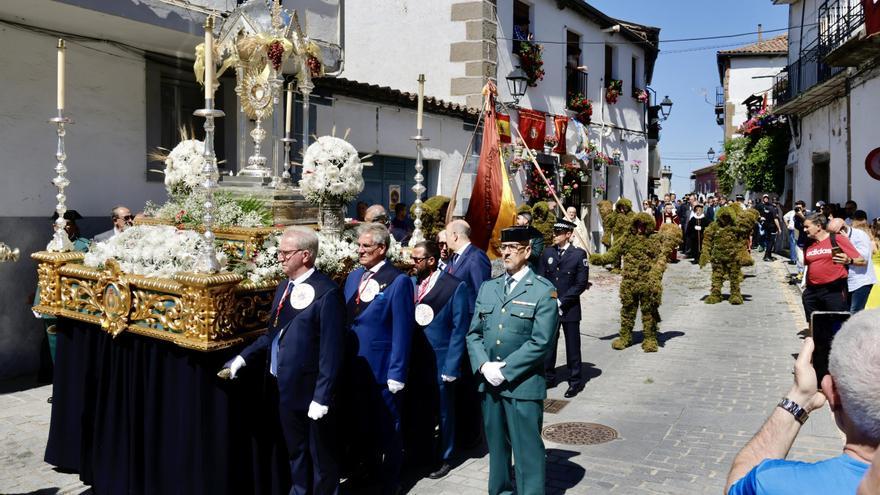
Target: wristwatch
(800, 414)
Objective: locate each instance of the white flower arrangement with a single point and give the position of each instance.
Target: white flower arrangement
(332, 171)
(151, 251)
(188, 211)
(183, 167)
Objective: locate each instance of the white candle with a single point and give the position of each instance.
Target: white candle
(421, 109)
(289, 113)
(60, 89)
(209, 58)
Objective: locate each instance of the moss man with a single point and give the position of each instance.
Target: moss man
(644, 261)
(723, 245)
(616, 222)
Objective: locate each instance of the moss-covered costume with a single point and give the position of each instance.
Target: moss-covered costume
(723, 247)
(644, 261)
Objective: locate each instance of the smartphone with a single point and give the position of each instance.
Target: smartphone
(835, 250)
(824, 325)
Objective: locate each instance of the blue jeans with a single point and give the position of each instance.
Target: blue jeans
(858, 298)
(792, 247)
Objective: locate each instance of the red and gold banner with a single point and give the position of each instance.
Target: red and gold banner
(533, 127)
(561, 124)
(492, 206)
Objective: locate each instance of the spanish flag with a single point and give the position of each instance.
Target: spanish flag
(492, 207)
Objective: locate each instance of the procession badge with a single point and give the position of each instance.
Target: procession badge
(424, 315)
(371, 289)
(550, 260)
(301, 296)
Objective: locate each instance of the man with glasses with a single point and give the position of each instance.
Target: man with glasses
(443, 260)
(303, 348)
(381, 311)
(510, 335)
(442, 320)
(121, 218)
(566, 267)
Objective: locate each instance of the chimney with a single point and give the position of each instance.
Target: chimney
(760, 32)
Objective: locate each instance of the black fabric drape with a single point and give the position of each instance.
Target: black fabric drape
(136, 415)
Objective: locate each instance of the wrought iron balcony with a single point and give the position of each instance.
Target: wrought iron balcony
(719, 105)
(842, 35)
(577, 82)
(799, 79)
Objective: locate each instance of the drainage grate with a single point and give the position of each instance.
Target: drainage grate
(577, 433)
(553, 406)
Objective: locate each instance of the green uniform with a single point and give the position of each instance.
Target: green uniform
(80, 244)
(517, 329)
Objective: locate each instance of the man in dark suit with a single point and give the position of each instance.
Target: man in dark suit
(442, 319)
(470, 264)
(305, 346)
(381, 312)
(467, 262)
(524, 219)
(566, 267)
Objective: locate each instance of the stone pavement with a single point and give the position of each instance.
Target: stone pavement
(681, 414)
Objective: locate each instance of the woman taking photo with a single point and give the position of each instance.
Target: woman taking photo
(826, 263)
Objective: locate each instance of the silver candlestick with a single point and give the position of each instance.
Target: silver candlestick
(60, 241)
(305, 87)
(208, 262)
(419, 189)
(286, 180)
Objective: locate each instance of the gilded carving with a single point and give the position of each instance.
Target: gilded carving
(157, 310)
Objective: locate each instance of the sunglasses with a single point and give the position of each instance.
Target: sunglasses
(127, 218)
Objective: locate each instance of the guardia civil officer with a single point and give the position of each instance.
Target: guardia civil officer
(510, 335)
(305, 346)
(566, 267)
(381, 314)
(442, 319)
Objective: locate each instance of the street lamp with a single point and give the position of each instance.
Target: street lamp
(517, 82)
(710, 154)
(616, 158)
(666, 107)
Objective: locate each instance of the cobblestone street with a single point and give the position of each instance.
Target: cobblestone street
(681, 414)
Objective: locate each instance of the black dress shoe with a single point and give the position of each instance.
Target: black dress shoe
(573, 390)
(442, 472)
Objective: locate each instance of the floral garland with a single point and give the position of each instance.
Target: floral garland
(332, 171)
(187, 211)
(762, 121)
(151, 251)
(531, 56)
(613, 90)
(582, 105)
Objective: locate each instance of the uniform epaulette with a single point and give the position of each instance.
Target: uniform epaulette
(546, 282)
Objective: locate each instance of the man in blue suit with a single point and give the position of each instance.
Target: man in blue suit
(305, 346)
(566, 267)
(470, 264)
(381, 312)
(442, 316)
(467, 262)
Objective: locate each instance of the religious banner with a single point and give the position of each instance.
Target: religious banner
(504, 128)
(532, 126)
(492, 206)
(561, 123)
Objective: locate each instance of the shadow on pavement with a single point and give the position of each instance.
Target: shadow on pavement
(564, 473)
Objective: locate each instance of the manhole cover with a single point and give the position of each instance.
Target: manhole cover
(553, 406)
(577, 433)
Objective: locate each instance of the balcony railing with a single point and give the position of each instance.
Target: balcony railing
(577, 82)
(806, 72)
(839, 21)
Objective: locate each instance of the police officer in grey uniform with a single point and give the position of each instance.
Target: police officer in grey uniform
(566, 266)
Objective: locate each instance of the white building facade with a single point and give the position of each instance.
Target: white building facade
(829, 92)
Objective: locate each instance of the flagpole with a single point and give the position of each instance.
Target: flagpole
(544, 178)
(450, 210)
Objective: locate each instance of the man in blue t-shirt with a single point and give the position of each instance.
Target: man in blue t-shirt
(853, 394)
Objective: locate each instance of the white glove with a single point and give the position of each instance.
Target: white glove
(447, 379)
(394, 386)
(492, 371)
(559, 306)
(317, 411)
(234, 365)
